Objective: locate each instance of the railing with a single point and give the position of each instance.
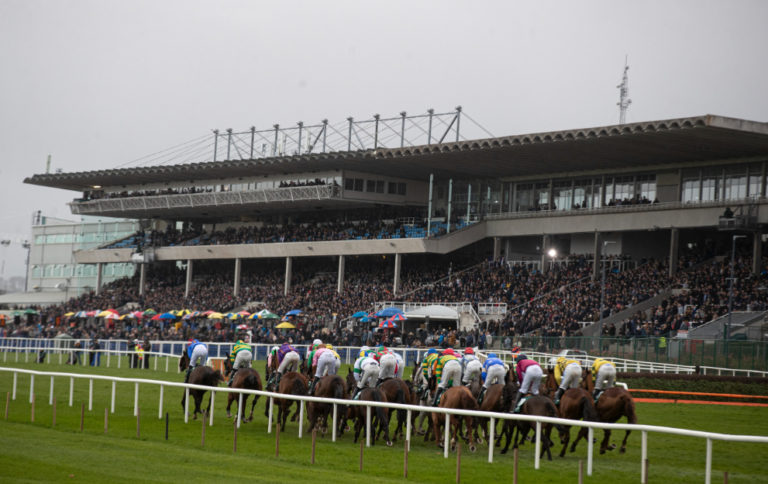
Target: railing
(206, 199)
(26, 350)
(493, 416)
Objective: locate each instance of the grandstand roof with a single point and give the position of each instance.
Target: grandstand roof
(628, 146)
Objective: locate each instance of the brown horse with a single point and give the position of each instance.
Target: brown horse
(292, 383)
(492, 402)
(534, 405)
(575, 404)
(329, 386)
(246, 378)
(395, 390)
(613, 404)
(379, 419)
(201, 375)
(457, 398)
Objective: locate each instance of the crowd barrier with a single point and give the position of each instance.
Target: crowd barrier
(643, 429)
(116, 350)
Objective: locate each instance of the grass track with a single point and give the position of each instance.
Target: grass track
(35, 452)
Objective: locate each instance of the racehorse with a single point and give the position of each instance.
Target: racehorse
(395, 390)
(292, 383)
(329, 386)
(458, 397)
(612, 404)
(378, 415)
(534, 405)
(492, 402)
(575, 404)
(201, 375)
(246, 378)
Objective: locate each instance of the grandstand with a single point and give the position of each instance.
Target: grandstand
(419, 223)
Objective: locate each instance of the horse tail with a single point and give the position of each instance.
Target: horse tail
(381, 414)
(629, 409)
(588, 411)
(298, 387)
(252, 381)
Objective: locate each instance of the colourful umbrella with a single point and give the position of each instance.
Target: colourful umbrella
(233, 316)
(285, 325)
(112, 316)
(81, 314)
(267, 315)
(388, 323)
(215, 315)
(192, 315)
(107, 312)
(398, 317)
(92, 313)
(149, 312)
(293, 312)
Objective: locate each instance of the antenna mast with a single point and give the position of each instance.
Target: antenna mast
(624, 100)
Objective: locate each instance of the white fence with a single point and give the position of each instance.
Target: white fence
(644, 429)
(113, 350)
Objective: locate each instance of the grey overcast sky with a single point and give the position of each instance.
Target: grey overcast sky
(99, 83)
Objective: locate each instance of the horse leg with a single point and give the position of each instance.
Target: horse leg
(295, 416)
(253, 405)
(583, 433)
(624, 443)
(470, 422)
(230, 399)
(606, 441)
(565, 437)
(547, 441)
(436, 428)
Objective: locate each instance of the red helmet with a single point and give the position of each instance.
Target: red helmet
(516, 349)
(449, 351)
(469, 351)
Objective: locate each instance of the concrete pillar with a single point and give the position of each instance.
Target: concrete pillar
(674, 246)
(340, 276)
(99, 270)
(288, 275)
(142, 278)
(496, 248)
(396, 282)
(188, 285)
(238, 269)
(544, 249)
(757, 253)
(598, 255)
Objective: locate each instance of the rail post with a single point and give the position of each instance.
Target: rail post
(50, 395)
(490, 440)
(643, 455)
(160, 405)
(708, 470)
(590, 449)
(537, 456)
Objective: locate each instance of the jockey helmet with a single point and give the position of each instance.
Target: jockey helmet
(329, 346)
(449, 351)
(492, 355)
(561, 360)
(520, 357)
(431, 351)
(274, 349)
(469, 351)
(516, 349)
(316, 342)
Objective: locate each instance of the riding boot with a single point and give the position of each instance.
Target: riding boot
(558, 394)
(596, 394)
(378, 382)
(231, 378)
(312, 384)
(481, 395)
(518, 396)
(438, 394)
(277, 378)
(357, 392)
(186, 377)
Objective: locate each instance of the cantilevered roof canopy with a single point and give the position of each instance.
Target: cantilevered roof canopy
(628, 146)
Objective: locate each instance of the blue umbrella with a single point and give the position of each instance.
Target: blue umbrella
(293, 312)
(366, 319)
(389, 312)
(360, 314)
(167, 316)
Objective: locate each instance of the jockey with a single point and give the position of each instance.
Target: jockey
(198, 355)
(288, 358)
(567, 375)
(494, 373)
(316, 344)
(240, 357)
(447, 369)
(326, 362)
(603, 374)
(387, 362)
(528, 376)
(365, 371)
(472, 368)
(426, 369)
(364, 351)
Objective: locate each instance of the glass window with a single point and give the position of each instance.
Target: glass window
(736, 184)
(392, 188)
(524, 198)
(646, 188)
(370, 185)
(709, 188)
(541, 196)
(755, 182)
(39, 239)
(379, 186)
(401, 189)
(349, 184)
(561, 195)
(358, 185)
(36, 271)
(625, 189)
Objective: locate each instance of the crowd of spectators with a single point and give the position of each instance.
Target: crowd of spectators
(545, 304)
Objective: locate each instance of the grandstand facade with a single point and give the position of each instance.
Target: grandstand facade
(639, 191)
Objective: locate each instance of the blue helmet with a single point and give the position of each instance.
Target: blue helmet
(432, 351)
(492, 355)
(520, 357)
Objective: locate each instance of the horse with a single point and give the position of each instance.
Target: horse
(292, 383)
(246, 378)
(492, 402)
(538, 405)
(329, 386)
(378, 418)
(395, 390)
(575, 404)
(458, 397)
(612, 404)
(201, 375)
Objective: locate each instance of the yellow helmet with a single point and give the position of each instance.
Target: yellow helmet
(561, 360)
(328, 346)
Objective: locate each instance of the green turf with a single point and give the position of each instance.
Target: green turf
(34, 452)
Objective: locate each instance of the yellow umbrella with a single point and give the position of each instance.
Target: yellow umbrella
(215, 315)
(69, 314)
(285, 325)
